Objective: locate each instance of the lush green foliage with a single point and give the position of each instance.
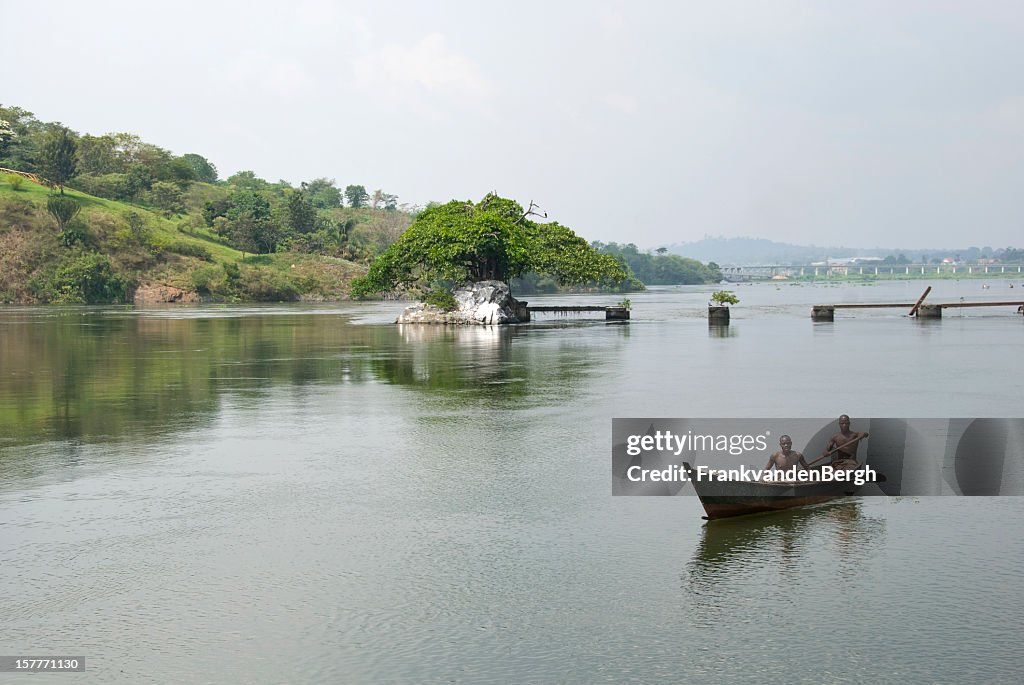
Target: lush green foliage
(441, 298)
(63, 209)
(724, 297)
(202, 168)
(316, 237)
(322, 193)
(357, 196)
(301, 214)
(167, 197)
(83, 278)
(492, 239)
(58, 160)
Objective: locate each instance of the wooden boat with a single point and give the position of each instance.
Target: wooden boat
(722, 499)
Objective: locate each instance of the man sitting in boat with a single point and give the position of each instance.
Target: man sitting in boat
(843, 445)
(785, 458)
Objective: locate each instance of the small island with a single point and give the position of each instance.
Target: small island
(459, 258)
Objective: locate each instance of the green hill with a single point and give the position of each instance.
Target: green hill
(114, 251)
(137, 222)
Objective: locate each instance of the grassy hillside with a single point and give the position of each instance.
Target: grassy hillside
(111, 249)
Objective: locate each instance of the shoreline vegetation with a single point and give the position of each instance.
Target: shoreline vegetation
(88, 219)
(113, 219)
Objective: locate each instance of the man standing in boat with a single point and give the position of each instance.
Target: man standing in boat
(843, 445)
(785, 458)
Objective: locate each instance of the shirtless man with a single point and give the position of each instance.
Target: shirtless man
(785, 458)
(845, 442)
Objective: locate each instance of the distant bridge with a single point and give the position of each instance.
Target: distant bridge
(767, 271)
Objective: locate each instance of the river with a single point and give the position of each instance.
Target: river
(309, 493)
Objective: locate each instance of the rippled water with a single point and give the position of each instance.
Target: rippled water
(300, 494)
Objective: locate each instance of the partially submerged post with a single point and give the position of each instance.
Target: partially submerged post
(823, 312)
(618, 313)
(718, 315)
(718, 307)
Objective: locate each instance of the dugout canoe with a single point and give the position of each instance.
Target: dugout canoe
(724, 499)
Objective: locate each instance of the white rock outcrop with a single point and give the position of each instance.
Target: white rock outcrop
(487, 303)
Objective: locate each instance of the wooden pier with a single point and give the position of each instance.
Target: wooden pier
(614, 313)
(826, 312)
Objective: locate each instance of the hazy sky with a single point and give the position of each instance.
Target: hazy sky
(868, 124)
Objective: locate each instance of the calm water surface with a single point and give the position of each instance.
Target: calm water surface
(312, 494)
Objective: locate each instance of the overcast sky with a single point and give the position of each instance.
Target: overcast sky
(889, 124)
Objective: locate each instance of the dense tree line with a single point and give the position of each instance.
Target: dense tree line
(661, 268)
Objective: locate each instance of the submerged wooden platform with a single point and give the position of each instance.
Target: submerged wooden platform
(613, 313)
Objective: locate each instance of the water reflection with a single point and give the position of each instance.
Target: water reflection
(108, 374)
(722, 331)
(739, 557)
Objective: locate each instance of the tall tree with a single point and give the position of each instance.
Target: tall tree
(58, 159)
(357, 196)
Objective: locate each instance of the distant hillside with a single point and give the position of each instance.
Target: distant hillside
(752, 251)
(749, 251)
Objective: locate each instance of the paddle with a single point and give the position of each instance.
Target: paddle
(880, 477)
(837, 448)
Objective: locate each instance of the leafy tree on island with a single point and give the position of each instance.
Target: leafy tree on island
(490, 240)
(724, 298)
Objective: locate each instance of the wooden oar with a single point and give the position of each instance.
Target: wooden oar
(837, 448)
(920, 300)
